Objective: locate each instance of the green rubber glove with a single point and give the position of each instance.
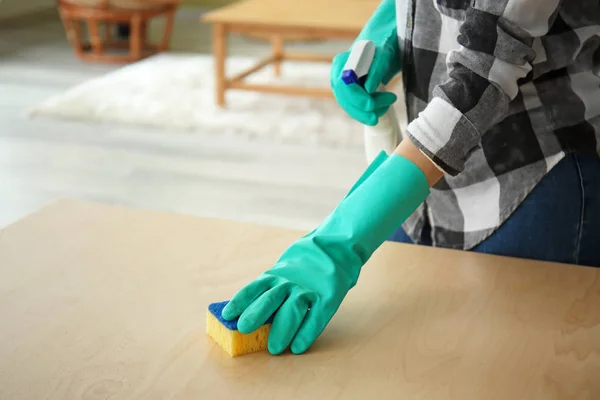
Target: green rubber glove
(304, 289)
(365, 104)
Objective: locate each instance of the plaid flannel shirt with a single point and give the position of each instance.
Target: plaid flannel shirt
(497, 93)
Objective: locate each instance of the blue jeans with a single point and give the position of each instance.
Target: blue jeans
(559, 221)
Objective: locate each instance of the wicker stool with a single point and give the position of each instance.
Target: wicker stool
(100, 16)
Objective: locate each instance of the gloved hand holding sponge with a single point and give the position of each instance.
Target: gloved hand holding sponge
(306, 286)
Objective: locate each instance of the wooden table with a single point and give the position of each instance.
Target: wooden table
(95, 14)
(103, 302)
(332, 19)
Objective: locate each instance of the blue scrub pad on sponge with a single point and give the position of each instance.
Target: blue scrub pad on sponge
(216, 309)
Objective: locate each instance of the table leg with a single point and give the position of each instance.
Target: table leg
(143, 33)
(73, 31)
(219, 54)
(136, 37)
(95, 39)
(277, 45)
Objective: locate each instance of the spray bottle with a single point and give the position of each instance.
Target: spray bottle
(386, 135)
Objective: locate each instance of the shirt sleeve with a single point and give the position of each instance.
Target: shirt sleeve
(496, 51)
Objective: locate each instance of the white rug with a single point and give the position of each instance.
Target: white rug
(175, 92)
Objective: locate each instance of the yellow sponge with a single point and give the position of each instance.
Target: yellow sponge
(226, 334)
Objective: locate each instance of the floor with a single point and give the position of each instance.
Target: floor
(44, 160)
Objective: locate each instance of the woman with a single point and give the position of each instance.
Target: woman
(501, 154)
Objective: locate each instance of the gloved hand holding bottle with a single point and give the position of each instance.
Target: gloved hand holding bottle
(365, 104)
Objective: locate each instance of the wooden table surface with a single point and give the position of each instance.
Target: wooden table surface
(104, 302)
(344, 15)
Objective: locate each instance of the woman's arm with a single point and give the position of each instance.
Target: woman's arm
(496, 52)
(411, 152)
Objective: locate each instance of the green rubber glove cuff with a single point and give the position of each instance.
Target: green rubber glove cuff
(386, 195)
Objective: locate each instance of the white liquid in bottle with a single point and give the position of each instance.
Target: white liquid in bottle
(386, 135)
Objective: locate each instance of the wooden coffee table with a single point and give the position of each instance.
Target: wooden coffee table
(332, 19)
